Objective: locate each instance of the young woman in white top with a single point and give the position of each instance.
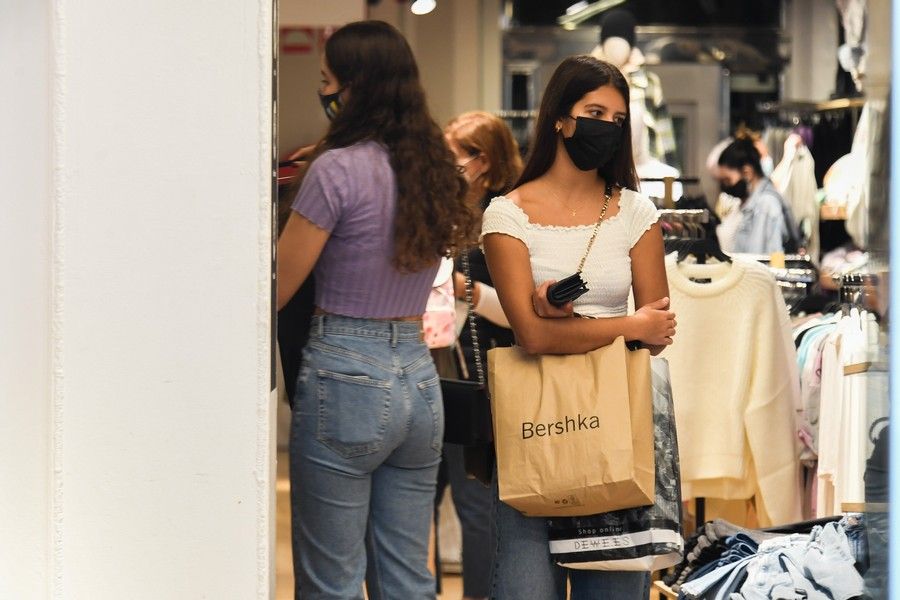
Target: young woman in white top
(580, 171)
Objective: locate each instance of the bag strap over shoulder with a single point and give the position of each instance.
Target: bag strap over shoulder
(608, 196)
(473, 330)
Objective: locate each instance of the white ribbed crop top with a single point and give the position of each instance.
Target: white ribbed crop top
(555, 251)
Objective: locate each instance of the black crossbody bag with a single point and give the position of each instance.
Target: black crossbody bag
(467, 406)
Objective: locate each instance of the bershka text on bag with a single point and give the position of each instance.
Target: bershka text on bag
(567, 425)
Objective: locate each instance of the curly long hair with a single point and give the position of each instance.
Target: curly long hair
(573, 78)
(386, 103)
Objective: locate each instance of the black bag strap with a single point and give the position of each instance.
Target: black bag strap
(473, 330)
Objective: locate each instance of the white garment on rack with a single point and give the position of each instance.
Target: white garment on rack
(852, 54)
(831, 400)
(795, 179)
(870, 162)
(843, 430)
(852, 465)
(737, 438)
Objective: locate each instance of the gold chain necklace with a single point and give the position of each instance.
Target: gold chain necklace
(573, 211)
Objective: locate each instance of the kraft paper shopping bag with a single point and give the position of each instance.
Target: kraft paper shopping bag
(573, 433)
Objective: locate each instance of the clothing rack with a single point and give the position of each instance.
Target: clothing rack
(517, 114)
(685, 180)
(797, 111)
(694, 215)
(788, 258)
(855, 288)
(795, 273)
(686, 232)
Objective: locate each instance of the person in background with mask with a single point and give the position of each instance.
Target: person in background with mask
(578, 180)
(379, 206)
(488, 157)
(767, 224)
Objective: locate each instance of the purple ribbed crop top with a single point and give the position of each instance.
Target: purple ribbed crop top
(352, 193)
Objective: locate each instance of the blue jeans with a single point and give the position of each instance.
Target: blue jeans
(366, 439)
(524, 568)
(474, 507)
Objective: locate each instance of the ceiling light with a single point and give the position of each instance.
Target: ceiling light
(422, 7)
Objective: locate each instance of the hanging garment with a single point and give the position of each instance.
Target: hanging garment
(852, 53)
(738, 438)
(842, 443)
(866, 180)
(795, 179)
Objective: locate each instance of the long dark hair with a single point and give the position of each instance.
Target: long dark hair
(573, 78)
(386, 103)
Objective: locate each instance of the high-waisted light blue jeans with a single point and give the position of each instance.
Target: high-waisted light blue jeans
(366, 441)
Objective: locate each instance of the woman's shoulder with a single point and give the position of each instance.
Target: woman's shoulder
(504, 216)
(633, 200)
(506, 205)
(769, 198)
(638, 214)
(362, 150)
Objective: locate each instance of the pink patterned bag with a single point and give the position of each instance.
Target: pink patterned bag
(439, 320)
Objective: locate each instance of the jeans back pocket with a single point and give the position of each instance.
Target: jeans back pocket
(354, 411)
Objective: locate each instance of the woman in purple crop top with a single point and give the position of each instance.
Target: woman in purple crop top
(380, 204)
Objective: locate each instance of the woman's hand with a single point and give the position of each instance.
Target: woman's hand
(655, 323)
(544, 309)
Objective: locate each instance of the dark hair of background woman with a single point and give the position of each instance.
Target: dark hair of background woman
(573, 78)
(387, 103)
(739, 153)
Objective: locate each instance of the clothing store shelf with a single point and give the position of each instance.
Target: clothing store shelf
(864, 507)
(800, 106)
(516, 114)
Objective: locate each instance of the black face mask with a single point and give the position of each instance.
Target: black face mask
(738, 190)
(331, 103)
(593, 144)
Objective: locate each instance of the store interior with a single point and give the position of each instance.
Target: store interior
(807, 81)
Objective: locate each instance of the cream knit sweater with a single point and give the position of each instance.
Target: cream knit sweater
(735, 387)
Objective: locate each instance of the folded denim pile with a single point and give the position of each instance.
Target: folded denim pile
(824, 564)
(706, 546)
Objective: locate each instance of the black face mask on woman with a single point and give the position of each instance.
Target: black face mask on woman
(593, 144)
(332, 104)
(738, 190)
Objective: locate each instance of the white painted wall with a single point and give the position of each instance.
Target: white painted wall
(140, 355)
(458, 49)
(812, 26)
(25, 300)
(315, 13)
